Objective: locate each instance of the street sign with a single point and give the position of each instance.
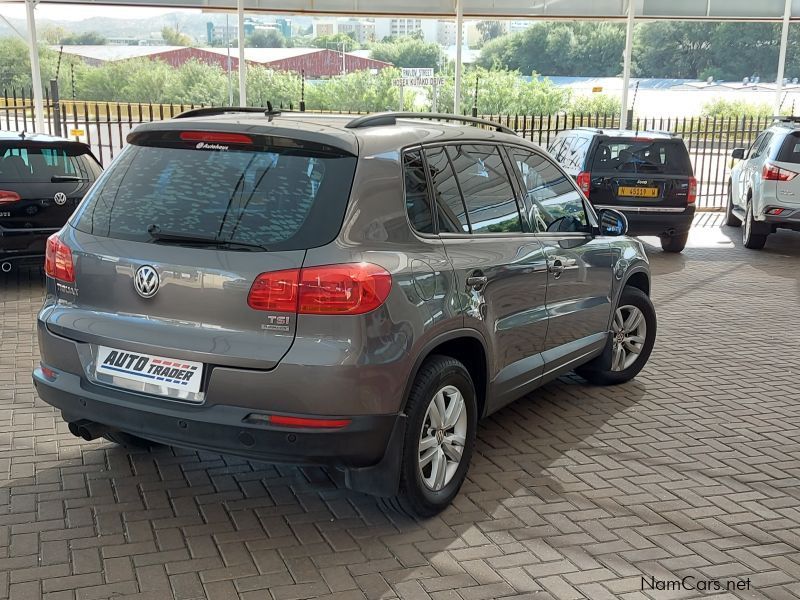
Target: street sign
(76, 132)
(597, 89)
(417, 81)
(421, 72)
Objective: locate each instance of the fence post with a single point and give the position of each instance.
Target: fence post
(56, 112)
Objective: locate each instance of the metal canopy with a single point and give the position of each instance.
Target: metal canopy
(716, 10)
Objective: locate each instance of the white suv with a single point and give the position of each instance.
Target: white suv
(764, 189)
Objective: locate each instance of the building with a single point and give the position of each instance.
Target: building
(217, 34)
(360, 30)
(446, 32)
(403, 27)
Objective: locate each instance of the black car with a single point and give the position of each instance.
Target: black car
(645, 174)
(42, 180)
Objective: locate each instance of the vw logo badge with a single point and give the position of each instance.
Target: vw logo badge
(146, 281)
(60, 198)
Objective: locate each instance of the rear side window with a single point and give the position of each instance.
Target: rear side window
(40, 164)
(645, 156)
(485, 185)
(790, 149)
(417, 200)
(282, 197)
(452, 214)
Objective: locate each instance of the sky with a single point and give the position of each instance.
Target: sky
(72, 12)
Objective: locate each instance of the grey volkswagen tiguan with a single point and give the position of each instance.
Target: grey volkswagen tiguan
(311, 289)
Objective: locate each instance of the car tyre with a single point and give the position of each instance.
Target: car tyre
(430, 477)
(674, 243)
(731, 220)
(128, 440)
(753, 241)
(633, 331)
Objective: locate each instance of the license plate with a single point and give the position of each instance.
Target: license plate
(637, 192)
(170, 373)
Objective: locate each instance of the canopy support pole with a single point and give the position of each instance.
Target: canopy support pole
(459, 65)
(626, 71)
(36, 75)
(787, 13)
(242, 64)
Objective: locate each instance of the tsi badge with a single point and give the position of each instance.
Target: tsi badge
(146, 281)
(276, 323)
(60, 198)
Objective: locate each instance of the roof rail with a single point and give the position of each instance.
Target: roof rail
(210, 111)
(786, 119)
(390, 118)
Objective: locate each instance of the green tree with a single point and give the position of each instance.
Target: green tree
(52, 34)
(198, 83)
(359, 92)
(266, 39)
(173, 37)
(676, 49)
(595, 104)
(335, 42)
(490, 30)
(408, 52)
(266, 85)
(90, 38)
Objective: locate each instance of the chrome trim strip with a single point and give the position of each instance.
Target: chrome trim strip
(642, 209)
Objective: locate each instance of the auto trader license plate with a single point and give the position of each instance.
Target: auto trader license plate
(637, 192)
(184, 375)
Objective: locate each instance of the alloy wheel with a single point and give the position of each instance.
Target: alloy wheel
(630, 333)
(442, 438)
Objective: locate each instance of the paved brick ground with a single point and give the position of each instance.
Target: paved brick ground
(575, 491)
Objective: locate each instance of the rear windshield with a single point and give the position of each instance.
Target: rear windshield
(790, 150)
(39, 164)
(660, 157)
(281, 197)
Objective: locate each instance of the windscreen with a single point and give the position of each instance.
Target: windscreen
(279, 197)
(790, 150)
(39, 164)
(642, 156)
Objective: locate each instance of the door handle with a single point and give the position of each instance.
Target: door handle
(477, 282)
(556, 267)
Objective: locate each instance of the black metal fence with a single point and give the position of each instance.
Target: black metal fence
(105, 125)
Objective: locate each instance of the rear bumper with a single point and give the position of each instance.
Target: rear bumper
(18, 244)
(219, 429)
(788, 219)
(646, 221)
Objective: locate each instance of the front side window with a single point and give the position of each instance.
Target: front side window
(417, 200)
(553, 204)
(488, 194)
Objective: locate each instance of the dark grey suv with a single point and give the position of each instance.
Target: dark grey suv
(319, 290)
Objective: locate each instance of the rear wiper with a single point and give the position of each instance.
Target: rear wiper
(66, 178)
(183, 238)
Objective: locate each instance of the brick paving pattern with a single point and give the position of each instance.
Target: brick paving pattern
(575, 491)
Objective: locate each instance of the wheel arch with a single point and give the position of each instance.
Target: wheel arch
(468, 347)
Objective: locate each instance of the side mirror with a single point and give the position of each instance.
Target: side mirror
(612, 222)
(738, 153)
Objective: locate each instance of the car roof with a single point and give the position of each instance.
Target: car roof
(333, 129)
(624, 133)
(34, 138)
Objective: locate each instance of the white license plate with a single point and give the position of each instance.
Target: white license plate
(184, 375)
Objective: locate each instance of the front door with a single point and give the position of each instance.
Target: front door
(579, 263)
(500, 269)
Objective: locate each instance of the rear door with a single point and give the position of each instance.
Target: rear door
(785, 188)
(259, 201)
(500, 268)
(640, 172)
(50, 180)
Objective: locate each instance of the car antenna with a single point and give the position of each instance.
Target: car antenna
(271, 112)
(22, 134)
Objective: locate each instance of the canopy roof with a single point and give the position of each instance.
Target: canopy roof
(769, 10)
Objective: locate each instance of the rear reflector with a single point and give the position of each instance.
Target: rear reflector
(7, 197)
(347, 289)
(775, 211)
(301, 422)
(691, 197)
(585, 182)
(58, 260)
(215, 137)
(48, 373)
(771, 172)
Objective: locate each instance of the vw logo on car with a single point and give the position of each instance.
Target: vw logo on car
(146, 281)
(60, 198)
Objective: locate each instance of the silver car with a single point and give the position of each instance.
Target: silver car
(310, 289)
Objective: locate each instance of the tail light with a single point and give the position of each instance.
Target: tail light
(58, 260)
(215, 137)
(585, 182)
(348, 289)
(771, 172)
(7, 197)
(691, 197)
